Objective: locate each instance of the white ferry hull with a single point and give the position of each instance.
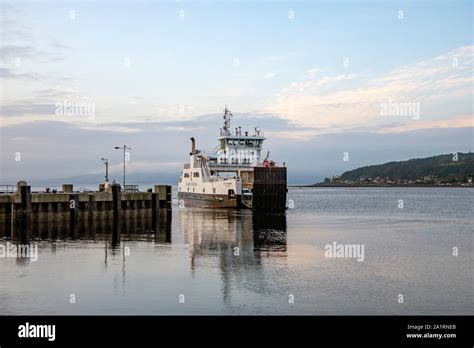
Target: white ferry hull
(189, 199)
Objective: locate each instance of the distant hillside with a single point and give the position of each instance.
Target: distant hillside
(442, 167)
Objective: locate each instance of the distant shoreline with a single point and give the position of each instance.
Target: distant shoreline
(388, 185)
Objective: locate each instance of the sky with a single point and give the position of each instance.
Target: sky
(377, 81)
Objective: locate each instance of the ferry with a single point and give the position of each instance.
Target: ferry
(234, 175)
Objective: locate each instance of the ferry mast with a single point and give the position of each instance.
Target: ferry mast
(227, 116)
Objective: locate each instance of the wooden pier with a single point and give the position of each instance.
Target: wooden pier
(24, 213)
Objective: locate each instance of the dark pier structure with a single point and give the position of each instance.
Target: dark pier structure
(25, 214)
(269, 189)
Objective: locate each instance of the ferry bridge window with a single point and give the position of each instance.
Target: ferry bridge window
(196, 174)
(251, 143)
(186, 175)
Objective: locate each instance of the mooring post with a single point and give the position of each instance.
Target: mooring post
(164, 212)
(168, 198)
(155, 204)
(25, 213)
(116, 205)
(163, 197)
(73, 210)
(164, 192)
(68, 188)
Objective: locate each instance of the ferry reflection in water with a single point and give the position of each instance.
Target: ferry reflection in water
(237, 239)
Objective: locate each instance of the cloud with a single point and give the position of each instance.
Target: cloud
(313, 71)
(326, 80)
(26, 93)
(9, 74)
(295, 135)
(12, 52)
(463, 121)
(40, 105)
(110, 128)
(12, 30)
(308, 103)
(270, 75)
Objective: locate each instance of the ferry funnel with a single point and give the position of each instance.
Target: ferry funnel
(193, 146)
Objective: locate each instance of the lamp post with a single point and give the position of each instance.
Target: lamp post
(125, 148)
(106, 161)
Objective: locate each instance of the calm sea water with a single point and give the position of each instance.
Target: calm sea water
(234, 262)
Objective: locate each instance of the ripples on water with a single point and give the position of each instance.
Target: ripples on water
(235, 262)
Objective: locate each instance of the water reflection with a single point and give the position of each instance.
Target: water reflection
(269, 232)
(233, 249)
(236, 241)
(54, 230)
(136, 226)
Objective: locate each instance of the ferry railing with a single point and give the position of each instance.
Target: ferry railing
(131, 188)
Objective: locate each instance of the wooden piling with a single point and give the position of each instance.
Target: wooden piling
(92, 207)
(73, 216)
(116, 207)
(7, 222)
(40, 219)
(24, 215)
(155, 204)
(161, 213)
(50, 219)
(164, 193)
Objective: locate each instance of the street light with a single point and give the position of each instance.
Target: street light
(106, 161)
(125, 148)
